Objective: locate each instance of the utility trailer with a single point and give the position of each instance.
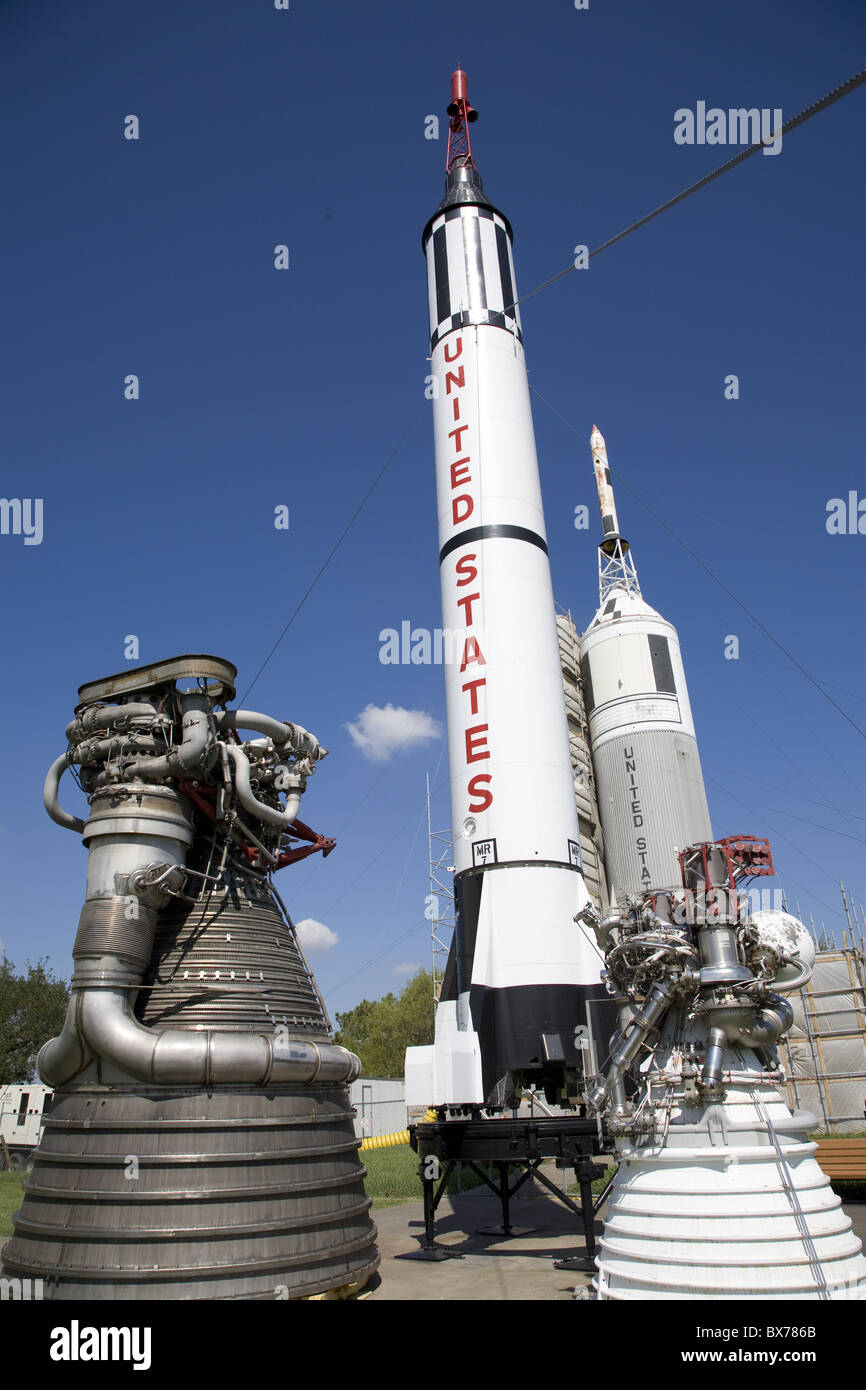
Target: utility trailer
(22, 1109)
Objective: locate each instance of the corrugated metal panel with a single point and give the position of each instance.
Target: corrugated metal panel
(580, 758)
(652, 803)
(569, 646)
(587, 807)
(590, 859)
(568, 661)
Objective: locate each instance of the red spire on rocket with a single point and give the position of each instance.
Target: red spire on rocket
(462, 115)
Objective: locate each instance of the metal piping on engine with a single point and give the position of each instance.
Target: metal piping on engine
(282, 733)
(711, 1075)
(67, 1054)
(626, 1046)
(100, 1022)
(251, 803)
(114, 716)
(192, 755)
(50, 792)
(769, 1023)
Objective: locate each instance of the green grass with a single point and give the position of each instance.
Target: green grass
(822, 1135)
(599, 1185)
(849, 1189)
(392, 1176)
(11, 1198)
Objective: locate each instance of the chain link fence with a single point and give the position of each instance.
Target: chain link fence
(380, 1107)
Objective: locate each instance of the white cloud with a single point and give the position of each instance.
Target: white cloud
(406, 967)
(380, 733)
(315, 937)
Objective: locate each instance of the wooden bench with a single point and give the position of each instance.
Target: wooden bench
(842, 1158)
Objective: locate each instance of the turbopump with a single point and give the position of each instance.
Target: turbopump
(201, 1142)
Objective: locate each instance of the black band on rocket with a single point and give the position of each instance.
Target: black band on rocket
(486, 533)
(480, 319)
(478, 869)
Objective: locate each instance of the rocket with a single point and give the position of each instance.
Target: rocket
(649, 782)
(516, 1002)
(606, 503)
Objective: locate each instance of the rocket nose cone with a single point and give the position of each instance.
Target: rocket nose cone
(596, 439)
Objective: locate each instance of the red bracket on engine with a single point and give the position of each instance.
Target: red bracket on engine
(745, 856)
(303, 832)
(753, 857)
(198, 794)
(202, 796)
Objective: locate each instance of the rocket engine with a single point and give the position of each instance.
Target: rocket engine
(201, 1142)
(717, 1194)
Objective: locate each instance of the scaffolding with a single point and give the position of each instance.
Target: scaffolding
(591, 840)
(439, 908)
(825, 1050)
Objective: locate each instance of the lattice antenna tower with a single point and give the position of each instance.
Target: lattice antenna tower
(440, 899)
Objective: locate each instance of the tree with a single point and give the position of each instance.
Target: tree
(32, 1010)
(380, 1030)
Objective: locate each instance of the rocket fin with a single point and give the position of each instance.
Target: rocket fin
(449, 1072)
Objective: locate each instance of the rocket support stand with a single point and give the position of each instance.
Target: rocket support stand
(522, 1144)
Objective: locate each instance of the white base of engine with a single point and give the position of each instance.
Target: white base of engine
(727, 1206)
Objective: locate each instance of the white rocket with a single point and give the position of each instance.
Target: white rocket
(521, 973)
(649, 782)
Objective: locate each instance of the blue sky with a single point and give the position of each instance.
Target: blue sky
(262, 387)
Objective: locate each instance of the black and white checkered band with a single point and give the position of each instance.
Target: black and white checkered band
(466, 317)
(470, 272)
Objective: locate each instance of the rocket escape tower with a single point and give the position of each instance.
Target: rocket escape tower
(461, 116)
(615, 564)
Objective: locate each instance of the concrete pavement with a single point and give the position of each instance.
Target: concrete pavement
(493, 1267)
